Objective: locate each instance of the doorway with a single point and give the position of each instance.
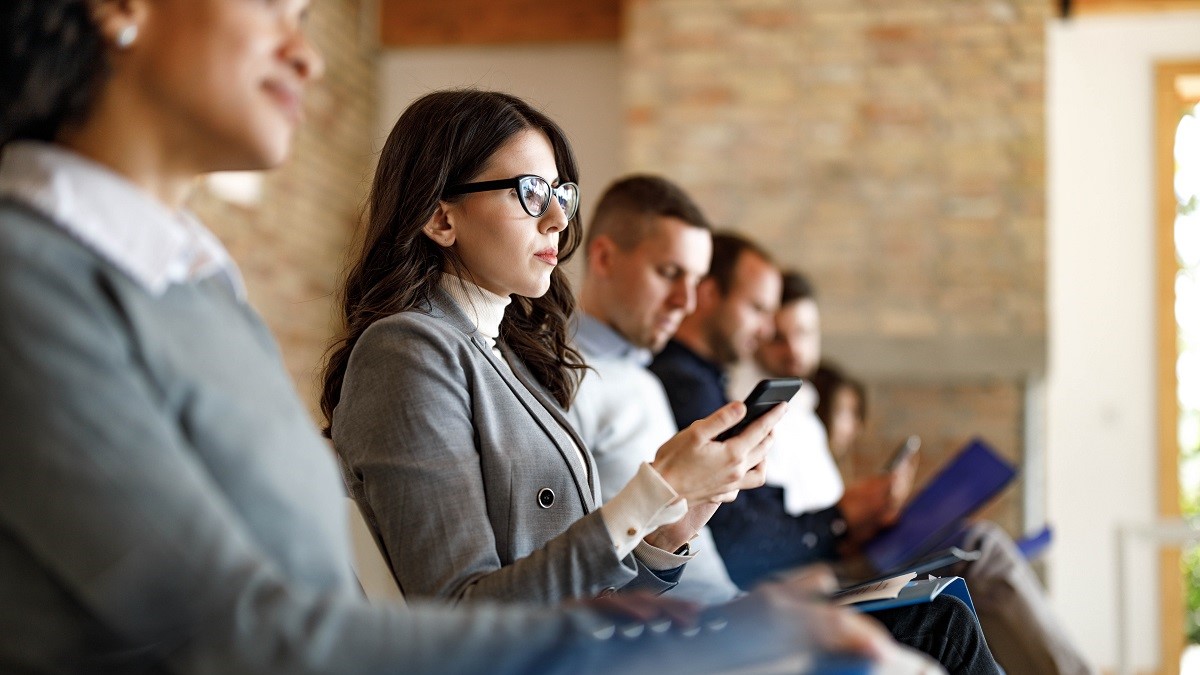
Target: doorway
(1178, 167)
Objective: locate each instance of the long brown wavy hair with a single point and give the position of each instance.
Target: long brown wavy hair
(446, 138)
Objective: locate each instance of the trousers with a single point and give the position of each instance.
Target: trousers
(1022, 632)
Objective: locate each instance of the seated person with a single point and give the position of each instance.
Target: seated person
(446, 395)
(1020, 628)
(647, 247)
(632, 306)
(842, 409)
(166, 505)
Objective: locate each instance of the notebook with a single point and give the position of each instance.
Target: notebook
(910, 592)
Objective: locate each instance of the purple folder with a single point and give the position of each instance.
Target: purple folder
(939, 511)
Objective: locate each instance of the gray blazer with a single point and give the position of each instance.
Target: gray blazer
(465, 470)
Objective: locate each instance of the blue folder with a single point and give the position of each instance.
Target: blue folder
(940, 510)
(918, 591)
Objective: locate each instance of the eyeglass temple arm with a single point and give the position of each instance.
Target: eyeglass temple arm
(483, 186)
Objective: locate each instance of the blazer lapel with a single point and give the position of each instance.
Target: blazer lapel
(529, 393)
(541, 407)
(552, 408)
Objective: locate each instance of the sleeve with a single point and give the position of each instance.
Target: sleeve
(756, 537)
(646, 503)
(106, 503)
(405, 432)
(691, 396)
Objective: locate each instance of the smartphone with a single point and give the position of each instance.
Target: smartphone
(903, 452)
(766, 395)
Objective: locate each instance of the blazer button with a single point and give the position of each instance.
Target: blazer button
(545, 498)
(606, 592)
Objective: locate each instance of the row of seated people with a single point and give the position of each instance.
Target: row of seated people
(168, 506)
(451, 373)
(681, 321)
(450, 393)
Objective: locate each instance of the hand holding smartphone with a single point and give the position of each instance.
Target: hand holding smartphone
(766, 395)
(905, 450)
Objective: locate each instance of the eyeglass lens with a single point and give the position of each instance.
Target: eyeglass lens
(535, 195)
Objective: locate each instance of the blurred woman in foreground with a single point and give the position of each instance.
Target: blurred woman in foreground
(166, 504)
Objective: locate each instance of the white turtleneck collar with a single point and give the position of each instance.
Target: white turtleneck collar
(484, 308)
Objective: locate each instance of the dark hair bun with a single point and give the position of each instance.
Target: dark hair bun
(52, 64)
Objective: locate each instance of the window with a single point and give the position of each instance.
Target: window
(1179, 346)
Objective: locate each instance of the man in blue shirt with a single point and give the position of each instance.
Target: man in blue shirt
(755, 534)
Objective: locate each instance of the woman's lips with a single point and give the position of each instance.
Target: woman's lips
(288, 99)
(548, 256)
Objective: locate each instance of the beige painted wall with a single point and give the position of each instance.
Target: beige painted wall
(1101, 446)
(290, 241)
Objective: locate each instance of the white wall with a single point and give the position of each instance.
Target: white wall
(1101, 453)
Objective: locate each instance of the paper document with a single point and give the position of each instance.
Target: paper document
(879, 590)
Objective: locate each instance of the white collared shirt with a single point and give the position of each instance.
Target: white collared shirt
(131, 229)
(799, 460)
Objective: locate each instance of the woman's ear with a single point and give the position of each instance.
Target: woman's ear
(439, 228)
(119, 20)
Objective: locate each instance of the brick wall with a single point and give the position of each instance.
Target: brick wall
(291, 246)
(894, 150)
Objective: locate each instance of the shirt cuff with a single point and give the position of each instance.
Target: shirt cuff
(659, 560)
(645, 504)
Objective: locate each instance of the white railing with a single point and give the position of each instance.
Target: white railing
(1162, 533)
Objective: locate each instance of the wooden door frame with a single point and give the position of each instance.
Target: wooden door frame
(1078, 7)
(1169, 103)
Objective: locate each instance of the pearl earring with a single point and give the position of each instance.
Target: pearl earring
(127, 35)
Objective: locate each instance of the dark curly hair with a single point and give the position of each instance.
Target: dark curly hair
(53, 64)
(446, 138)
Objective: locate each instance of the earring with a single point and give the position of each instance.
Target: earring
(127, 36)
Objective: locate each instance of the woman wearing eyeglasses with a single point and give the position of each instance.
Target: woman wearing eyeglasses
(166, 505)
(446, 392)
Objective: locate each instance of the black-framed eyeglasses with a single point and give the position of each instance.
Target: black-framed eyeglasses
(534, 193)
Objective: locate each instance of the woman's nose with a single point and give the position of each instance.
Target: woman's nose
(303, 56)
(554, 219)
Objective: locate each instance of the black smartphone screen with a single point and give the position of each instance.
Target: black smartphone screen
(766, 395)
